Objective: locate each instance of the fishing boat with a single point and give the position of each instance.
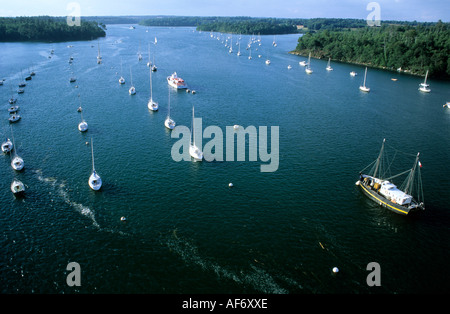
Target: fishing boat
(424, 87)
(95, 182)
(364, 88)
(132, 90)
(169, 123)
(377, 185)
(17, 187)
(329, 68)
(308, 69)
(176, 82)
(7, 146)
(152, 105)
(194, 151)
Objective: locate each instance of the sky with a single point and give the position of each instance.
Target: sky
(400, 10)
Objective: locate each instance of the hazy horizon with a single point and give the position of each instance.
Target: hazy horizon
(398, 10)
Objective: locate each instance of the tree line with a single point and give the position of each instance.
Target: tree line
(46, 28)
(414, 48)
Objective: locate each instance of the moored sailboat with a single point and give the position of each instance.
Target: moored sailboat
(308, 69)
(169, 123)
(194, 151)
(329, 68)
(95, 182)
(424, 87)
(364, 88)
(152, 105)
(377, 185)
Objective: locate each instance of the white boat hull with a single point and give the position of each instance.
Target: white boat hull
(364, 89)
(195, 152)
(17, 187)
(169, 123)
(17, 163)
(152, 105)
(82, 126)
(95, 182)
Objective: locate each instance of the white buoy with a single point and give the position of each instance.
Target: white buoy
(335, 270)
(230, 184)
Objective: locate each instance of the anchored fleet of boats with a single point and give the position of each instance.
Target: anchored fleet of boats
(375, 184)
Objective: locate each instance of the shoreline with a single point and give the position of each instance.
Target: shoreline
(407, 72)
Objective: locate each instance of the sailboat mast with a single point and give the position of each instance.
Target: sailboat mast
(151, 92)
(426, 75)
(378, 159)
(92, 151)
(365, 74)
(192, 132)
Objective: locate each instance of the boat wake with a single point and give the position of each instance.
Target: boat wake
(60, 188)
(255, 276)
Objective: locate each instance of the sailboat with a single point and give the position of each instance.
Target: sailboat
(308, 69)
(17, 161)
(95, 182)
(378, 187)
(132, 90)
(169, 123)
(17, 187)
(152, 105)
(364, 88)
(250, 54)
(139, 53)
(7, 146)
(329, 68)
(239, 49)
(121, 80)
(194, 151)
(82, 126)
(99, 57)
(424, 87)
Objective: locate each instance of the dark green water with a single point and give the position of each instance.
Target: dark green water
(186, 230)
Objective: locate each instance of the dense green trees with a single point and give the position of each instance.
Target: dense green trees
(45, 28)
(414, 49)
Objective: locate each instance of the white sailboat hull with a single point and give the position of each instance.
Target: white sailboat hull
(95, 182)
(82, 126)
(152, 105)
(17, 187)
(17, 163)
(195, 152)
(364, 89)
(169, 123)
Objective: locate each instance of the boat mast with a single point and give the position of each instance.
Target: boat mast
(192, 132)
(365, 74)
(379, 157)
(410, 181)
(92, 151)
(151, 92)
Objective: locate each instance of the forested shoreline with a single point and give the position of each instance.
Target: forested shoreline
(46, 28)
(408, 48)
